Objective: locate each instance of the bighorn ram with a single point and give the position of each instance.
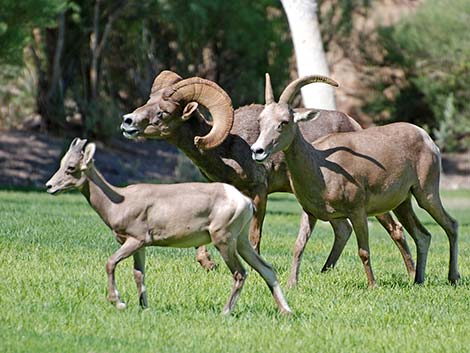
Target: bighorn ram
(356, 174)
(223, 153)
(176, 215)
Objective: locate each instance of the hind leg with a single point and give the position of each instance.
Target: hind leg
(306, 226)
(204, 258)
(227, 247)
(420, 235)
(395, 230)
(264, 269)
(431, 202)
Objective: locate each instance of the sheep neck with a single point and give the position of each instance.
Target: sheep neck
(304, 164)
(101, 195)
(209, 162)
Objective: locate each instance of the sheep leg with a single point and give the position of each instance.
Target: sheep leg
(264, 269)
(139, 269)
(256, 226)
(229, 255)
(307, 223)
(204, 258)
(395, 229)
(429, 199)
(431, 202)
(418, 232)
(130, 246)
(342, 230)
(359, 223)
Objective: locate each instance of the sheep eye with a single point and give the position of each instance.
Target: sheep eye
(282, 124)
(71, 169)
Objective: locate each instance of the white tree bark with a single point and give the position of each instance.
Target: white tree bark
(309, 52)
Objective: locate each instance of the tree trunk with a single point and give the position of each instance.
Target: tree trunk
(309, 52)
(97, 44)
(47, 50)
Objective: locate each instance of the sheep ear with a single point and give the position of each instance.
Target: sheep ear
(189, 109)
(88, 156)
(305, 116)
(77, 144)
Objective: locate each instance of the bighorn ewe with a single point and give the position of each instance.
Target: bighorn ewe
(176, 215)
(356, 174)
(223, 152)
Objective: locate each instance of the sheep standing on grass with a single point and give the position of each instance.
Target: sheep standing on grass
(172, 114)
(357, 174)
(176, 215)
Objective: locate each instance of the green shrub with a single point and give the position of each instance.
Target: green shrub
(432, 46)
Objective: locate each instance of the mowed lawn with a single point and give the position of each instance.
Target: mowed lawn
(53, 252)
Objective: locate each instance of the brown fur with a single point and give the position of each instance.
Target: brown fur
(231, 163)
(357, 174)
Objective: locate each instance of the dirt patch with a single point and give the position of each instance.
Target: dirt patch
(29, 159)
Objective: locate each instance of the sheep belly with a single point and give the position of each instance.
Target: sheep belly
(184, 230)
(187, 240)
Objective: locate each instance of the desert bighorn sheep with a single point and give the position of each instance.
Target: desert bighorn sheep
(176, 215)
(355, 174)
(224, 155)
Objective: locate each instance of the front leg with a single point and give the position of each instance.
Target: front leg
(130, 246)
(139, 269)
(256, 225)
(342, 231)
(359, 223)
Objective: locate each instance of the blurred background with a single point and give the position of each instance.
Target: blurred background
(73, 68)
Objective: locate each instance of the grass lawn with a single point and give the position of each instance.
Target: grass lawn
(53, 289)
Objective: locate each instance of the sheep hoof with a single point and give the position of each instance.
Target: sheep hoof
(291, 283)
(286, 312)
(120, 306)
(209, 265)
(454, 280)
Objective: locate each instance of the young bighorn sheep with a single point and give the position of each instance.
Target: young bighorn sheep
(223, 152)
(176, 215)
(355, 174)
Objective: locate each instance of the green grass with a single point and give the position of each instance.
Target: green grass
(53, 289)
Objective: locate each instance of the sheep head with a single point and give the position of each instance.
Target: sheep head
(74, 164)
(278, 120)
(172, 102)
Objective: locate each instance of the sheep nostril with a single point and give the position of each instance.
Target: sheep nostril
(128, 121)
(257, 150)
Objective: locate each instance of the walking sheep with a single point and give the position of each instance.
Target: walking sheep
(221, 151)
(357, 174)
(176, 215)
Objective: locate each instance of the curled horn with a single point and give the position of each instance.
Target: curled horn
(294, 87)
(217, 102)
(164, 79)
(268, 93)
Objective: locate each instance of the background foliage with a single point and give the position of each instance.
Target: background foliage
(434, 52)
(94, 60)
(80, 64)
